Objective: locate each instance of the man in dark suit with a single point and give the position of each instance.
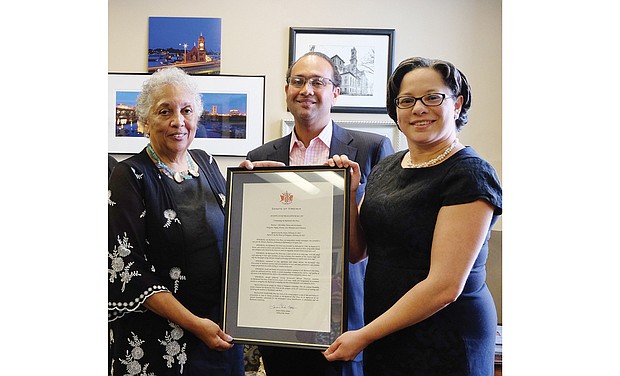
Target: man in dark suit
(312, 87)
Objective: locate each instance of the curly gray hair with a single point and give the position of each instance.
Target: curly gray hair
(163, 77)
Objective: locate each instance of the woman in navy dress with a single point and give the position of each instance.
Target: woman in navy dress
(424, 224)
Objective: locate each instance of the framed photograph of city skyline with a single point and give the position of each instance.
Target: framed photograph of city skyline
(231, 124)
(190, 43)
(363, 58)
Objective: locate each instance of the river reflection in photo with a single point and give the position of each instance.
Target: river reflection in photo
(224, 116)
(225, 127)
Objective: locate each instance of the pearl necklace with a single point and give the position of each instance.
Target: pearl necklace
(433, 161)
(175, 175)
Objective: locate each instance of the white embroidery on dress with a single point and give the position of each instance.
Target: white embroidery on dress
(223, 198)
(152, 266)
(143, 214)
(173, 348)
(138, 176)
(118, 263)
(131, 359)
(175, 274)
(110, 202)
(171, 216)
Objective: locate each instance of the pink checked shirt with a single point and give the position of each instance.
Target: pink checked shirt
(317, 151)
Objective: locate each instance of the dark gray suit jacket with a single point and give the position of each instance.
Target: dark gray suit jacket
(363, 147)
(367, 149)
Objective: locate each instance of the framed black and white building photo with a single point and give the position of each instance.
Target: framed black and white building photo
(363, 58)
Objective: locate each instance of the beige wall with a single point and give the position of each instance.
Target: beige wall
(255, 42)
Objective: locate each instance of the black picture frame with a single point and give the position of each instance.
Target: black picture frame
(365, 68)
(284, 281)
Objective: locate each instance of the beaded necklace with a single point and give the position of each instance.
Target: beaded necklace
(177, 176)
(433, 161)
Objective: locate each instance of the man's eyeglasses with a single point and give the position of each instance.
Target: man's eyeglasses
(315, 82)
(429, 100)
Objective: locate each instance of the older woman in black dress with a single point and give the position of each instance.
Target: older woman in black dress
(424, 224)
(166, 224)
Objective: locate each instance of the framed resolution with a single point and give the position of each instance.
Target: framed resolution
(285, 255)
(231, 123)
(363, 58)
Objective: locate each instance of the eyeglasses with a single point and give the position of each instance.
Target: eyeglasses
(429, 100)
(315, 82)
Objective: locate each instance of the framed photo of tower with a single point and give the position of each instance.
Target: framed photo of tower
(192, 44)
(363, 58)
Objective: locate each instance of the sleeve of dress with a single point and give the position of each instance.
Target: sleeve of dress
(130, 277)
(472, 179)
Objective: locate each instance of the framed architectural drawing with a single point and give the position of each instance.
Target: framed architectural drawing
(363, 58)
(231, 124)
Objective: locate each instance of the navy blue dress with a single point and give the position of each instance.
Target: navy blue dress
(398, 216)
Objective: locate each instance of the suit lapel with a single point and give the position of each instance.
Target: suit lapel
(340, 143)
(280, 150)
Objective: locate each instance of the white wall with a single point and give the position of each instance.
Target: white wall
(255, 42)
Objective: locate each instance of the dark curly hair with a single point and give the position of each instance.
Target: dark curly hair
(452, 77)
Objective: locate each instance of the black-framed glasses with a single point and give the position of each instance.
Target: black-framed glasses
(315, 82)
(429, 100)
